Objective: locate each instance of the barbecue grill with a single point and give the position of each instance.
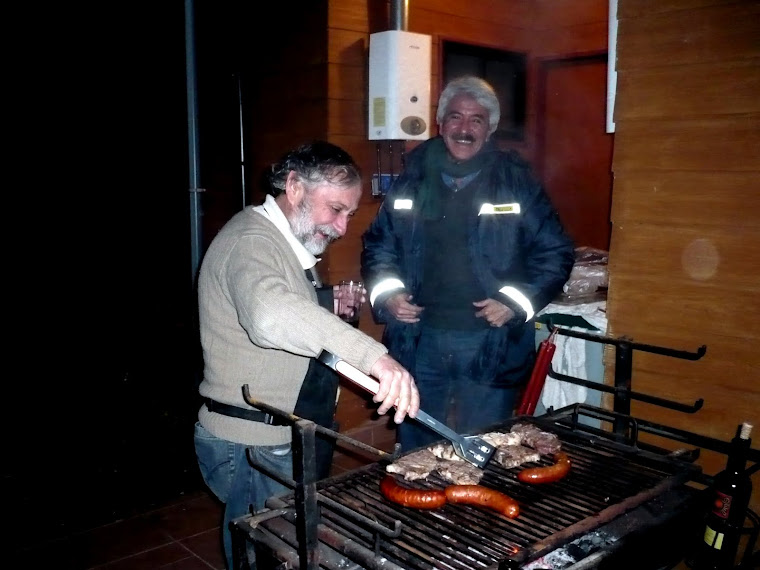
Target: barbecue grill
(624, 504)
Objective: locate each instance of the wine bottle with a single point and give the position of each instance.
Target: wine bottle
(730, 494)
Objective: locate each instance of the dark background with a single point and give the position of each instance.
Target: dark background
(104, 361)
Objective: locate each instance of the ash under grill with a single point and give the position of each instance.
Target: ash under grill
(356, 527)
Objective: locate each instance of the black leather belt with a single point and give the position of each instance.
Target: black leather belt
(243, 414)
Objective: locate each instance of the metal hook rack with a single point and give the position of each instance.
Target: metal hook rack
(623, 394)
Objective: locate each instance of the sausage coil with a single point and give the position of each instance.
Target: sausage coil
(484, 497)
(550, 474)
(414, 498)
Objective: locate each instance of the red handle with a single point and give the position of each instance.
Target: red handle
(537, 378)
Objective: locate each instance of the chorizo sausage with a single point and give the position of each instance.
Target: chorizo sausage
(414, 498)
(550, 474)
(484, 497)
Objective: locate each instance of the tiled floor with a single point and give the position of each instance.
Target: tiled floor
(183, 534)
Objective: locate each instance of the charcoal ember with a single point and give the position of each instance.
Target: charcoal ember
(497, 438)
(509, 456)
(544, 442)
(416, 465)
(460, 472)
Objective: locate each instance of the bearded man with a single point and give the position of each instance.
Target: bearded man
(261, 325)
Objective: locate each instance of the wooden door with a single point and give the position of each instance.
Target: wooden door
(574, 158)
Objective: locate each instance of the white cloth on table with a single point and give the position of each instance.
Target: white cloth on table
(570, 354)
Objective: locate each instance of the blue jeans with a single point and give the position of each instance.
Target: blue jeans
(240, 486)
(447, 392)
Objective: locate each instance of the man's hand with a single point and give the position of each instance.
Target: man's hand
(496, 313)
(397, 388)
(400, 307)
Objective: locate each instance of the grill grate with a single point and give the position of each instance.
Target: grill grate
(605, 481)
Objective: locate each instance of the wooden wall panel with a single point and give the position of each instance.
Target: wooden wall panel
(683, 256)
(347, 47)
(354, 15)
(560, 14)
(575, 40)
(469, 29)
(710, 34)
(685, 199)
(643, 8)
(666, 91)
(345, 117)
(652, 304)
(347, 82)
(522, 13)
(704, 143)
(703, 256)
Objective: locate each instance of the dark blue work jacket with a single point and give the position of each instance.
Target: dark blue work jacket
(519, 251)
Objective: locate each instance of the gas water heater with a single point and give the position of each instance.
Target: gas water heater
(399, 86)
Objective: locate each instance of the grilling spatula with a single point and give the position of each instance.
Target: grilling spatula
(469, 447)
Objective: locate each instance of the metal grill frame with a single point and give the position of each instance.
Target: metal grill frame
(335, 527)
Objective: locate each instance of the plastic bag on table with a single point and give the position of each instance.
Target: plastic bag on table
(589, 273)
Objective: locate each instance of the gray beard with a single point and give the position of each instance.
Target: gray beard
(306, 232)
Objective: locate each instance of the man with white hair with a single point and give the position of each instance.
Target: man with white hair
(464, 251)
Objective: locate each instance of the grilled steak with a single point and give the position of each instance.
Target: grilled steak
(509, 456)
(497, 438)
(445, 451)
(440, 458)
(416, 465)
(544, 442)
(459, 472)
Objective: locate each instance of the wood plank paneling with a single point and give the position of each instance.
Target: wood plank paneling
(644, 8)
(345, 117)
(521, 13)
(560, 14)
(472, 30)
(355, 15)
(726, 258)
(723, 88)
(575, 40)
(726, 143)
(653, 304)
(685, 199)
(347, 82)
(347, 47)
(711, 34)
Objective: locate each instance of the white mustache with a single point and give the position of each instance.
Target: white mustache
(329, 231)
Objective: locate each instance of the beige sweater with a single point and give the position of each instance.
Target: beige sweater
(260, 323)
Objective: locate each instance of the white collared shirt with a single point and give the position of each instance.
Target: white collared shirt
(271, 210)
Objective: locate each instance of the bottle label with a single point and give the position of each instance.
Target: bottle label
(721, 505)
(713, 538)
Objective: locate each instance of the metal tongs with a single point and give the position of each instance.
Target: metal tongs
(469, 447)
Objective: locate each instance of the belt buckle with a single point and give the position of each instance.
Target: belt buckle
(269, 419)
